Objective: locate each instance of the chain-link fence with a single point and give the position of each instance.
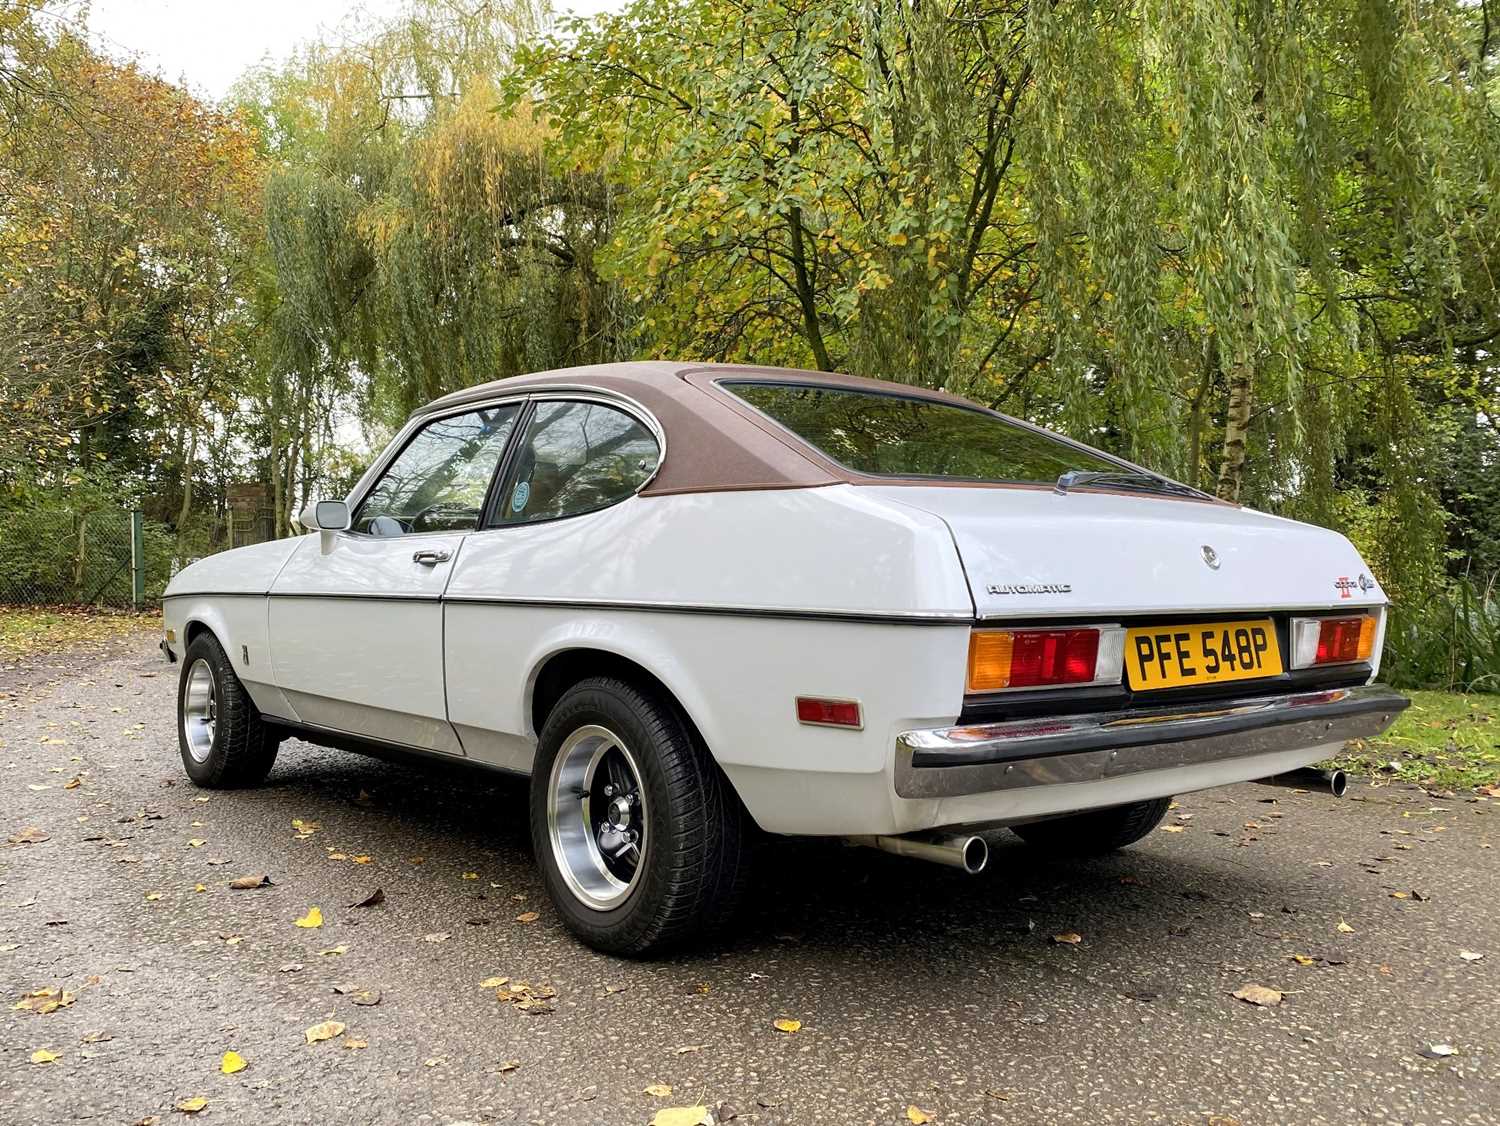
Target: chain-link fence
(103, 557)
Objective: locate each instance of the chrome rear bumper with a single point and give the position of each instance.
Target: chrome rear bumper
(949, 761)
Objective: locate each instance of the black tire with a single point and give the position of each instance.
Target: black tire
(242, 746)
(1096, 832)
(693, 861)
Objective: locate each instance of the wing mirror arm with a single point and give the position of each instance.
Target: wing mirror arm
(326, 517)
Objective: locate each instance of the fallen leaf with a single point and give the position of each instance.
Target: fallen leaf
(354, 1045)
(72, 783)
(1439, 1051)
(917, 1116)
(152, 896)
(471, 875)
(232, 1062)
(432, 1061)
(289, 967)
(374, 899)
(1174, 828)
(335, 951)
(1303, 960)
(1067, 938)
(436, 936)
(658, 1090)
(528, 916)
(197, 842)
(360, 859)
(305, 828)
(1258, 994)
(42, 1055)
(786, 1025)
(324, 1030)
(200, 887)
(32, 834)
(1344, 928)
(192, 1105)
(313, 918)
(493, 982)
(247, 883)
(508, 1065)
(44, 1001)
(366, 997)
(682, 1116)
(1470, 955)
(97, 1037)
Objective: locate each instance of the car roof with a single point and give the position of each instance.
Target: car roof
(715, 441)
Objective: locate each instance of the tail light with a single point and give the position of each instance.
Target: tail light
(1000, 660)
(1332, 641)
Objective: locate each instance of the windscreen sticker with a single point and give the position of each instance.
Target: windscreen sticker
(520, 495)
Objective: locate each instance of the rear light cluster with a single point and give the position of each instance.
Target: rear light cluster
(1332, 641)
(1001, 660)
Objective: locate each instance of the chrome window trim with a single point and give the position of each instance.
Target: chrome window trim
(562, 392)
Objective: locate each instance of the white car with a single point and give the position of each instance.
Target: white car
(692, 601)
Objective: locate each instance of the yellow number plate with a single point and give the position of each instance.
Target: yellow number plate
(1202, 653)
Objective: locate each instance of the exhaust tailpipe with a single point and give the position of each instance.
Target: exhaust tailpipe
(953, 850)
(1334, 782)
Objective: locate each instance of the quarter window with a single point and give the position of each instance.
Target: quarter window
(439, 481)
(576, 457)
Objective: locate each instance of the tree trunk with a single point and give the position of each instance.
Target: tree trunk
(189, 456)
(1236, 425)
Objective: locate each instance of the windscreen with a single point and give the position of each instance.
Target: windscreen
(899, 436)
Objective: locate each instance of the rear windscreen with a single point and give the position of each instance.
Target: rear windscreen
(899, 436)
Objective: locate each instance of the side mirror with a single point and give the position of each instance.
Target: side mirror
(325, 517)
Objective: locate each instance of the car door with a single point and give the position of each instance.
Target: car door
(356, 617)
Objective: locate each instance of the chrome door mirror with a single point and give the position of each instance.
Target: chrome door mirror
(327, 517)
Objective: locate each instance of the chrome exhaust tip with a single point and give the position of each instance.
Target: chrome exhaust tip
(1334, 782)
(952, 850)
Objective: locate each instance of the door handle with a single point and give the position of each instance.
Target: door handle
(431, 556)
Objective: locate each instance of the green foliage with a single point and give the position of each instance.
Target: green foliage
(1444, 740)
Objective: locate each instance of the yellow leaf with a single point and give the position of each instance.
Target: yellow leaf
(1173, 828)
(325, 1030)
(197, 842)
(192, 1105)
(1303, 959)
(658, 1090)
(493, 982)
(152, 896)
(1344, 928)
(354, 1045)
(681, 1116)
(787, 1025)
(313, 918)
(361, 859)
(232, 1062)
(335, 951)
(199, 887)
(528, 917)
(471, 875)
(41, 1055)
(918, 1116)
(1067, 938)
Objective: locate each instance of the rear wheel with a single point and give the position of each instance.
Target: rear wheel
(1096, 832)
(223, 739)
(640, 840)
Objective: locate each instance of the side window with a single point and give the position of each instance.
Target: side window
(576, 457)
(439, 481)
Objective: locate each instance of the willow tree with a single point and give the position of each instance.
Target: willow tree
(1251, 242)
(417, 242)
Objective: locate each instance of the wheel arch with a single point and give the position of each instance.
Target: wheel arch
(564, 667)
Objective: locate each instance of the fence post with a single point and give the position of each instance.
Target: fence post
(137, 558)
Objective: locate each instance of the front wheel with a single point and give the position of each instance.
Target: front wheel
(1096, 832)
(223, 739)
(640, 840)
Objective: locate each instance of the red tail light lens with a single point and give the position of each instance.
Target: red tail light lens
(1332, 641)
(1000, 659)
(828, 713)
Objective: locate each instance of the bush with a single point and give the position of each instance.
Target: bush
(1449, 642)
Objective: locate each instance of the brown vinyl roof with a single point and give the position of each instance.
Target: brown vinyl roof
(715, 440)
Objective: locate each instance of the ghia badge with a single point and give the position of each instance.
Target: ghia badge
(1030, 588)
(1345, 585)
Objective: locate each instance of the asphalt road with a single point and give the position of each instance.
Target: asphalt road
(914, 986)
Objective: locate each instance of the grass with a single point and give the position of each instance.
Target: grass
(30, 631)
(1444, 741)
